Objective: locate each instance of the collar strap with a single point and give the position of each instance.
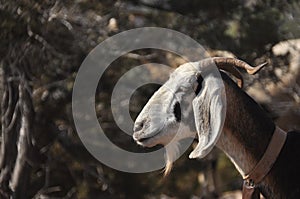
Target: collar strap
(265, 164)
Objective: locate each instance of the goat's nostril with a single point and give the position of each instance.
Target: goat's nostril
(138, 126)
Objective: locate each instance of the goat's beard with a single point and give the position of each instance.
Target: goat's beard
(172, 150)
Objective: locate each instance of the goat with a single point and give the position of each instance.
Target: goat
(193, 92)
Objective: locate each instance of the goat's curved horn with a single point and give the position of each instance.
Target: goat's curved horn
(229, 64)
(224, 61)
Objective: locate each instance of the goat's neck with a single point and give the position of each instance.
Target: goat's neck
(247, 129)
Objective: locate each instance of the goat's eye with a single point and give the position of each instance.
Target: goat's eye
(199, 84)
(177, 112)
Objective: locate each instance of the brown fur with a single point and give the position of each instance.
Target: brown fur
(247, 132)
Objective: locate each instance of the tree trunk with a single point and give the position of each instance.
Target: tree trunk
(17, 116)
(9, 117)
(20, 175)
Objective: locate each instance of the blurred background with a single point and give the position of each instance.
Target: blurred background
(42, 45)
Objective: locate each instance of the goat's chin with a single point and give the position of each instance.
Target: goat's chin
(148, 143)
(160, 138)
(153, 141)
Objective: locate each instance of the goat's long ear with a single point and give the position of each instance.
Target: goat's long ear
(209, 108)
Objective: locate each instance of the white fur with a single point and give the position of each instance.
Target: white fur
(209, 112)
(159, 122)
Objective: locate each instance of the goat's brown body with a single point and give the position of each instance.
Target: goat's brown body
(247, 133)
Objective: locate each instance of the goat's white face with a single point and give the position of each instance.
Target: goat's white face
(175, 111)
(160, 118)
